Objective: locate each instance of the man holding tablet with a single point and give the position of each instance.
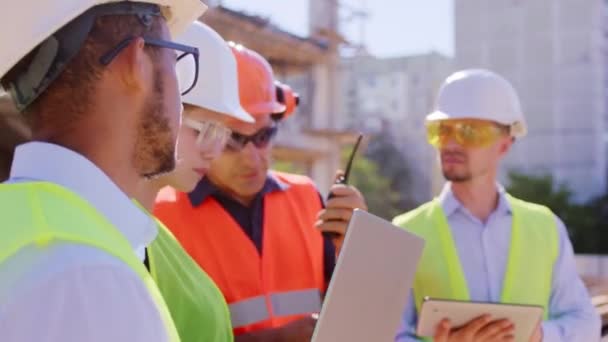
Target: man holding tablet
(482, 244)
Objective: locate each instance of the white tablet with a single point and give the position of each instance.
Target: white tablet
(524, 317)
(371, 283)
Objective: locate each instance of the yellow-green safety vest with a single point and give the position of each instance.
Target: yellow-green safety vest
(196, 304)
(40, 213)
(533, 251)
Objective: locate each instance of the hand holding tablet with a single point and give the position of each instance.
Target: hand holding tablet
(478, 321)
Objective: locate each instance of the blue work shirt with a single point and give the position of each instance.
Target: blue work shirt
(251, 218)
(483, 249)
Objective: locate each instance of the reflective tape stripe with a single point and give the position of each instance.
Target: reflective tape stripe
(248, 311)
(296, 302)
(254, 310)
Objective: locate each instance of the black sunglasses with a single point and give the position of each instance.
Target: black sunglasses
(259, 139)
(184, 49)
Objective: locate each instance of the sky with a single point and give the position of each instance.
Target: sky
(393, 27)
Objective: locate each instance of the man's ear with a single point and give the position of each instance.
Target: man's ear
(505, 146)
(134, 67)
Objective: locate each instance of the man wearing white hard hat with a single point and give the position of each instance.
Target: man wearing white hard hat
(96, 80)
(481, 243)
(197, 306)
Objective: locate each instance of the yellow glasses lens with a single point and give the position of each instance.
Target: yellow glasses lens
(467, 133)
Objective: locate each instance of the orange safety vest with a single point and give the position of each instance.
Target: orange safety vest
(264, 291)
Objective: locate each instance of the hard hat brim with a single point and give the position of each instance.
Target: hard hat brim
(266, 108)
(241, 114)
(184, 12)
(236, 112)
(437, 115)
(233, 111)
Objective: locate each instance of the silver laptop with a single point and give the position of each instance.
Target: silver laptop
(371, 282)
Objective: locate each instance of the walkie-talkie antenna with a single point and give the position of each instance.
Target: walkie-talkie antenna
(344, 178)
(352, 157)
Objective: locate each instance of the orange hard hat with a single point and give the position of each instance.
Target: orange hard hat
(257, 91)
(288, 97)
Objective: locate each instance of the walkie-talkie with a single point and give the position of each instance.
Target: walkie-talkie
(343, 179)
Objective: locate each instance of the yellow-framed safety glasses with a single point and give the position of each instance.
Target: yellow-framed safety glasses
(468, 133)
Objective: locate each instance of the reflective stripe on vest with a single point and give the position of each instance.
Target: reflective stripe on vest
(533, 251)
(254, 310)
(41, 213)
(248, 311)
(253, 283)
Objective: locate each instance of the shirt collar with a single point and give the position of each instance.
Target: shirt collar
(38, 161)
(206, 188)
(450, 204)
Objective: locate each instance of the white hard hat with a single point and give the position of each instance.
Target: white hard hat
(480, 94)
(217, 88)
(25, 24)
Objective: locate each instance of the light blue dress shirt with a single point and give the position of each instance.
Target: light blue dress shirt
(70, 292)
(483, 250)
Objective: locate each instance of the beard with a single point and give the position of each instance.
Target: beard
(155, 144)
(456, 177)
(454, 174)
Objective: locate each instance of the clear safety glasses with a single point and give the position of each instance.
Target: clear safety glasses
(211, 134)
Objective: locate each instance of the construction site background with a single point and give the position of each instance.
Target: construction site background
(554, 52)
